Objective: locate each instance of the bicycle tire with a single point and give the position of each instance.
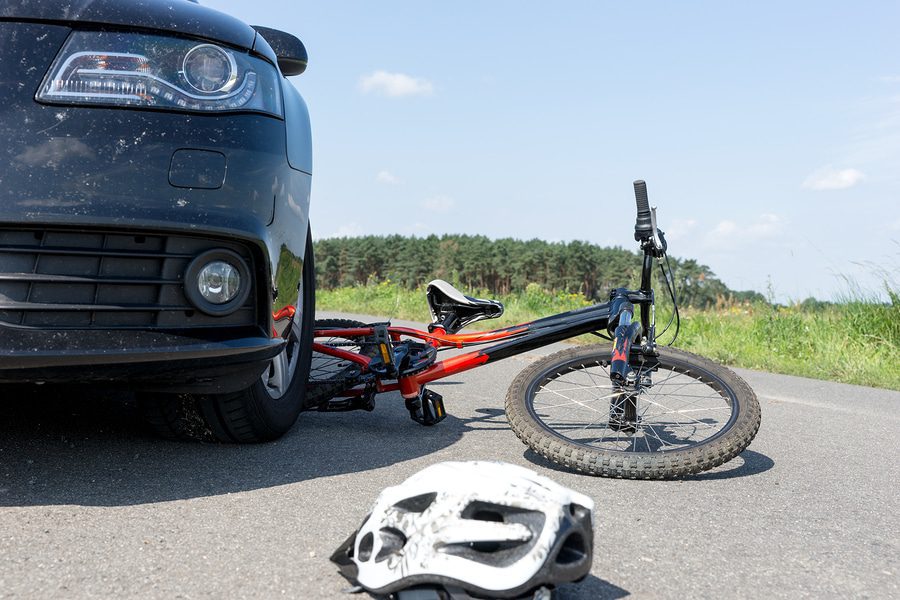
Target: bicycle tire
(329, 376)
(659, 446)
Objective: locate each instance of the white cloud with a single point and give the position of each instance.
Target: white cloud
(768, 225)
(889, 79)
(347, 230)
(728, 234)
(440, 204)
(680, 228)
(387, 177)
(394, 85)
(724, 228)
(828, 178)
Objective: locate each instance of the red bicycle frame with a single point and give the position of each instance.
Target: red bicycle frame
(512, 340)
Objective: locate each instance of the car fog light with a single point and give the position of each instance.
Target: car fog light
(219, 282)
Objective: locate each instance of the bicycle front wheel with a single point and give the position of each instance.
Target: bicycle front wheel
(690, 415)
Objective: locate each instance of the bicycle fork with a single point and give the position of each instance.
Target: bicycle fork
(623, 405)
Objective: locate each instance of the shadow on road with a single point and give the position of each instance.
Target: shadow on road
(489, 419)
(86, 447)
(592, 588)
(745, 464)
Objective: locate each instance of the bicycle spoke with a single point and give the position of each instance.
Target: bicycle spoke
(695, 421)
(656, 435)
(589, 374)
(581, 387)
(681, 412)
(572, 400)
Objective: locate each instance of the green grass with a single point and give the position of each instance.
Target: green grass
(838, 343)
(855, 341)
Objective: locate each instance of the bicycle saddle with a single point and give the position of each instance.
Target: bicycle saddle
(452, 310)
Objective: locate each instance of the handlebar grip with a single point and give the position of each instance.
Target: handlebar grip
(643, 228)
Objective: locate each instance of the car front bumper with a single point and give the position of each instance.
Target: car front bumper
(140, 359)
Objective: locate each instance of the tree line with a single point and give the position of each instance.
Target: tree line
(505, 266)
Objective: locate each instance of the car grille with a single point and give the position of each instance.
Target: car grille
(64, 279)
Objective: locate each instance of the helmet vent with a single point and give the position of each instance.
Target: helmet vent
(417, 504)
(492, 547)
(498, 553)
(487, 515)
(572, 550)
(365, 547)
(487, 511)
(392, 541)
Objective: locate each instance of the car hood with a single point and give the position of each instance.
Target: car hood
(174, 16)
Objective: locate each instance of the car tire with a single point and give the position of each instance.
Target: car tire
(264, 411)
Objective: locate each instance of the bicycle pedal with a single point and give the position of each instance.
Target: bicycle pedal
(426, 409)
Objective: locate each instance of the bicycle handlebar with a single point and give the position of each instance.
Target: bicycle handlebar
(643, 227)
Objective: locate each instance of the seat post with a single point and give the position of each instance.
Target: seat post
(449, 323)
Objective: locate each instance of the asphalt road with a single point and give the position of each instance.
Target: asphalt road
(92, 506)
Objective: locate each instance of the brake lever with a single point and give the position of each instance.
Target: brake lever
(657, 243)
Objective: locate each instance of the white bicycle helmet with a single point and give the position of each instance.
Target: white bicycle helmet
(491, 529)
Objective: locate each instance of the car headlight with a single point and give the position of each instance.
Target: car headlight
(150, 71)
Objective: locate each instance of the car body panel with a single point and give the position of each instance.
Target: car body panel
(299, 139)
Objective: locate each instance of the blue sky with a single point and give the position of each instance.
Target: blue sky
(768, 132)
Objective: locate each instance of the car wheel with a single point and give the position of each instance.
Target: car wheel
(264, 411)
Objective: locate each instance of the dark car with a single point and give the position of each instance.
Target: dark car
(154, 210)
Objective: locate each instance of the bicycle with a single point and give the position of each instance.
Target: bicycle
(634, 409)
